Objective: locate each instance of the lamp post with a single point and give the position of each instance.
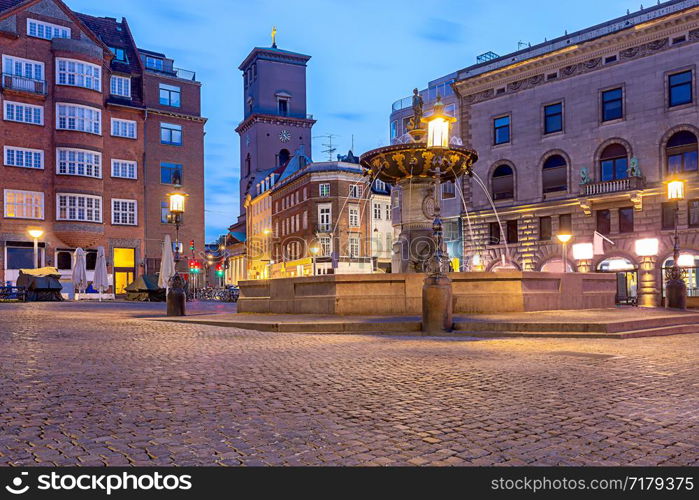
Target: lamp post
(437, 288)
(36, 234)
(647, 250)
(564, 238)
(314, 252)
(676, 286)
(176, 296)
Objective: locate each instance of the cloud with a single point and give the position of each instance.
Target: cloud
(351, 117)
(441, 31)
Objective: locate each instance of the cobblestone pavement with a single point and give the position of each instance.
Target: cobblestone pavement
(94, 384)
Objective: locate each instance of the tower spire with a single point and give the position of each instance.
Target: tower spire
(274, 37)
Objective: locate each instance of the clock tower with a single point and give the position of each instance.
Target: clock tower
(275, 122)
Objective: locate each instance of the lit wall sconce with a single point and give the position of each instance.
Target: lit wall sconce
(647, 247)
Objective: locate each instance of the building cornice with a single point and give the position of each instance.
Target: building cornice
(638, 41)
(181, 116)
(246, 124)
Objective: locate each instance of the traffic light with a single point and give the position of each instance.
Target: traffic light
(191, 244)
(194, 267)
(219, 270)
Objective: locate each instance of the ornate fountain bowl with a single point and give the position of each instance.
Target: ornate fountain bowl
(392, 164)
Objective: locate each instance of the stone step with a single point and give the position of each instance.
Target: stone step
(636, 333)
(472, 325)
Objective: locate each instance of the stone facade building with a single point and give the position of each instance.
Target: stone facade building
(95, 131)
(578, 134)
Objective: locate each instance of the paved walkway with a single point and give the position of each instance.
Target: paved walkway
(97, 384)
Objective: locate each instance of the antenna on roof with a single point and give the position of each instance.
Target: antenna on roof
(329, 148)
(352, 148)
(523, 45)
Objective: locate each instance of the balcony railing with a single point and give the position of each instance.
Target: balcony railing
(614, 186)
(428, 95)
(185, 74)
(23, 84)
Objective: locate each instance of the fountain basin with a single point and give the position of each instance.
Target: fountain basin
(401, 293)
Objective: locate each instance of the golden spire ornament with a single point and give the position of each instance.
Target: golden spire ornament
(274, 37)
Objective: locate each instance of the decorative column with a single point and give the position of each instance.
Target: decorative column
(648, 292)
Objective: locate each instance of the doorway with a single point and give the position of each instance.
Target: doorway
(124, 269)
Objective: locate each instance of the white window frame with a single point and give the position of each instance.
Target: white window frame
(80, 123)
(40, 196)
(116, 214)
(120, 86)
(25, 152)
(353, 240)
(119, 166)
(9, 67)
(90, 78)
(46, 29)
(30, 107)
(81, 162)
(324, 189)
(155, 59)
(127, 129)
(353, 213)
(326, 246)
(377, 211)
(97, 212)
(355, 191)
(322, 224)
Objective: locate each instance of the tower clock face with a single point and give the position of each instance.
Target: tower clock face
(285, 136)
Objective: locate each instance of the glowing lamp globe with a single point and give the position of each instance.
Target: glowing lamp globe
(36, 233)
(438, 125)
(675, 190)
(564, 238)
(177, 202)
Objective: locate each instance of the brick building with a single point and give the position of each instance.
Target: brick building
(94, 133)
(579, 134)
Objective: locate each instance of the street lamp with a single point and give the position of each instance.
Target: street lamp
(438, 124)
(564, 238)
(314, 252)
(676, 287)
(36, 234)
(176, 297)
(176, 201)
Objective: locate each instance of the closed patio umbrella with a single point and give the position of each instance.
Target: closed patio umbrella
(100, 282)
(167, 264)
(79, 271)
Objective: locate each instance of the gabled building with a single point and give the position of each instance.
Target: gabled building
(95, 132)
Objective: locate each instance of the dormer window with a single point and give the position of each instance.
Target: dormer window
(119, 54)
(154, 63)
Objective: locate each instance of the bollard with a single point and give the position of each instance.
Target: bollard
(176, 297)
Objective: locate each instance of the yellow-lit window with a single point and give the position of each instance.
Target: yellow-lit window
(124, 257)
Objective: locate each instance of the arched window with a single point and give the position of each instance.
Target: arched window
(681, 151)
(614, 162)
(554, 174)
(247, 165)
(503, 183)
(283, 157)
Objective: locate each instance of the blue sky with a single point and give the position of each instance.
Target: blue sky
(365, 55)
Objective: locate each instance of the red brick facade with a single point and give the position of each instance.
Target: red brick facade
(30, 67)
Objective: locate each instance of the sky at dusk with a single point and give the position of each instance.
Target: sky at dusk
(365, 55)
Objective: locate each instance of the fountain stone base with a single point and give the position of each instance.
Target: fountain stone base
(402, 294)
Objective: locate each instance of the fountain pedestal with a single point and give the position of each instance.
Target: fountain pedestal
(437, 305)
(415, 244)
